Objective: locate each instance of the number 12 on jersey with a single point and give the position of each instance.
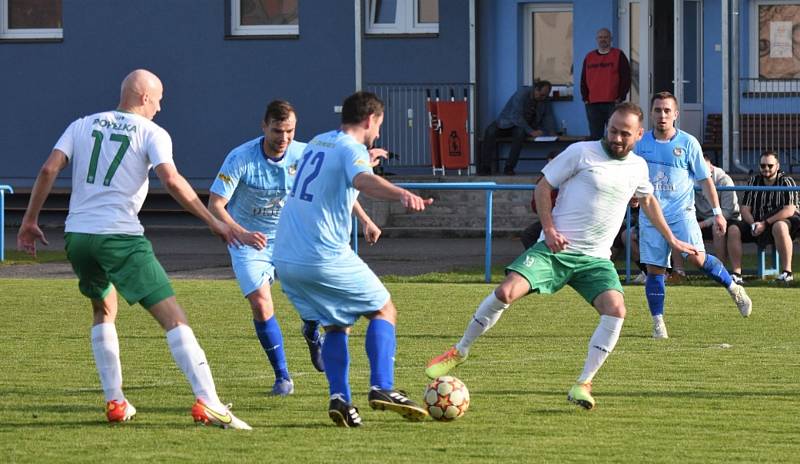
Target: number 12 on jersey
(316, 160)
(124, 143)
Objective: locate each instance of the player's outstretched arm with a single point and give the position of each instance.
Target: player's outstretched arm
(710, 191)
(185, 195)
(544, 208)
(216, 205)
(652, 210)
(381, 189)
(29, 231)
(371, 231)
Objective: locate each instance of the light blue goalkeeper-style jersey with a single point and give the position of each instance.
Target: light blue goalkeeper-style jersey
(674, 167)
(314, 228)
(256, 186)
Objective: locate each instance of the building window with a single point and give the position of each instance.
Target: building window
(30, 19)
(264, 17)
(548, 45)
(774, 40)
(403, 17)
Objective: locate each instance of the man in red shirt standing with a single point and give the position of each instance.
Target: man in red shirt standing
(605, 81)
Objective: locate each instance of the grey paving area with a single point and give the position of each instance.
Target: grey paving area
(193, 253)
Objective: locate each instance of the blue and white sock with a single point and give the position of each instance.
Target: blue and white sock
(336, 357)
(656, 290)
(381, 345)
(271, 338)
(714, 268)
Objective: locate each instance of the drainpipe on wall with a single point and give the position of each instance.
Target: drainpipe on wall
(357, 15)
(472, 83)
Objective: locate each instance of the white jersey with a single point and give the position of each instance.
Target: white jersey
(111, 155)
(594, 191)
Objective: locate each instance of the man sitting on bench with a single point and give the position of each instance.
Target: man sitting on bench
(528, 113)
(767, 217)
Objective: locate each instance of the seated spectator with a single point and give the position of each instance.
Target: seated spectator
(528, 113)
(767, 218)
(728, 202)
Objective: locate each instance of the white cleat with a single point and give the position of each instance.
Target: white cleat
(659, 329)
(206, 415)
(741, 299)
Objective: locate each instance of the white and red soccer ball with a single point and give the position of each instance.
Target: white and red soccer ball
(446, 398)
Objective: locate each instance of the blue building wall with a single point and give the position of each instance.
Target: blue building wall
(216, 88)
(501, 54)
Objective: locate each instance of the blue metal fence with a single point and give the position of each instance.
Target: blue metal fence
(3, 189)
(490, 187)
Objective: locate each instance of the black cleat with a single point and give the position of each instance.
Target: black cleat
(314, 342)
(396, 401)
(343, 414)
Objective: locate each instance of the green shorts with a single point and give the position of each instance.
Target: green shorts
(548, 272)
(127, 261)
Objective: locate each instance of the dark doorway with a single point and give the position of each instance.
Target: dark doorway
(663, 46)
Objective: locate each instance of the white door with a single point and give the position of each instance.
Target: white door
(633, 19)
(688, 64)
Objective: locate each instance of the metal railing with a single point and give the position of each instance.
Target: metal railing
(490, 187)
(406, 123)
(3, 189)
(769, 119)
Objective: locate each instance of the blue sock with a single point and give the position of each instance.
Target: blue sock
(655, 290)
(381, 344)
(337, 363)
(714, 268)
(271, 338)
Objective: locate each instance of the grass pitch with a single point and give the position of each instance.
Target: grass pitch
(722, 389)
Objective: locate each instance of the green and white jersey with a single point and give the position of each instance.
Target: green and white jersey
(593, 193)
(111, 155)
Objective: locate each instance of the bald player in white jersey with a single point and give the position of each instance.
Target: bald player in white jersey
(596, 180)
(111, 154)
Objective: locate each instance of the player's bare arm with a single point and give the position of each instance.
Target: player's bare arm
(216, 205)
(710, 191)
(371, 231)
(184, 194)
(29, 231)
(544, 208)
(649, 204)
(381, 189)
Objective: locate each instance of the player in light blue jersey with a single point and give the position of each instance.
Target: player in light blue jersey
(675, 161)
(248, 194)
(322, 276)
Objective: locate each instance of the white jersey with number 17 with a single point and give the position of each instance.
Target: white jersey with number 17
(111, 155)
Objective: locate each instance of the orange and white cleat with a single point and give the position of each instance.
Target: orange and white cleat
(119, 411)
(206, 415)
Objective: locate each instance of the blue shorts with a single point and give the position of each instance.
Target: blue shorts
(654, 249)
(335, 294)
(253, 268)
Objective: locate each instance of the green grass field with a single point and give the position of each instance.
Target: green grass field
(722, 389)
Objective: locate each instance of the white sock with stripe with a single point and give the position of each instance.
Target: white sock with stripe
(601, 345)
(485, 317)
(192, 361)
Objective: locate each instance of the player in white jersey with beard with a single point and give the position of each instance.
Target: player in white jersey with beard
(111, 154)
(596, 180)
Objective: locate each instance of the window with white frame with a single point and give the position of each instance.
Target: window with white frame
(403, 17)
(547, 45)
(774, 38)
(30, 19)
(264, 17)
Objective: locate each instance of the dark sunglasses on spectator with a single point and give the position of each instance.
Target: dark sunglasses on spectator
(764, 166)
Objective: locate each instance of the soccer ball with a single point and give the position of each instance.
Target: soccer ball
(446, 398)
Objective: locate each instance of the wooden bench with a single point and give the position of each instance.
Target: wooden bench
(757, 131)
(561, 142)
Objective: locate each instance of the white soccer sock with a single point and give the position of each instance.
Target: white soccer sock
(657, 318)
(601, 345)
(487, 314)
(192, 361)
(105, 346)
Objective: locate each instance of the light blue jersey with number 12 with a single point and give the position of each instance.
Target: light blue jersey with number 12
(315, 225)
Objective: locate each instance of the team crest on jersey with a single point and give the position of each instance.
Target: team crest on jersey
(224, 178)
(292, 170)
(677, 151)
(529, 260)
